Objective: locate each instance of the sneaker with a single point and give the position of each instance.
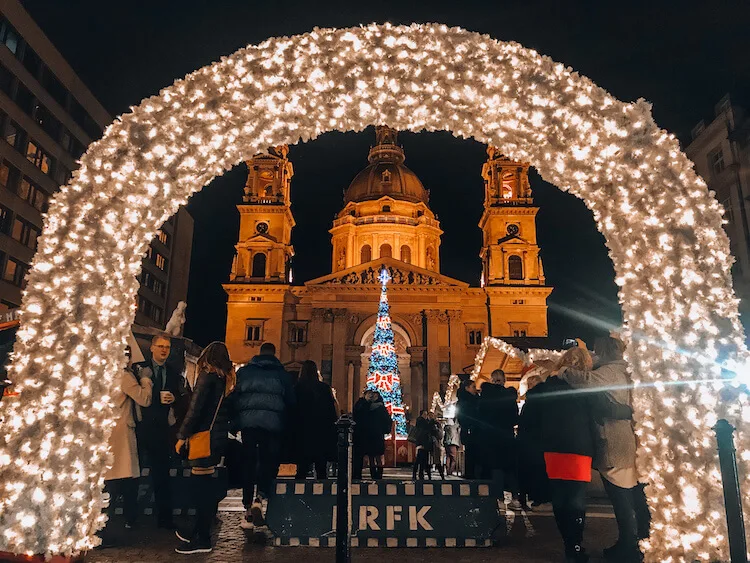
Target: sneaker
(182, 537)
(258, 512)
(247, 521)
(194, 547)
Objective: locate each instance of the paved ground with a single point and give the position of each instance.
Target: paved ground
(532, 538)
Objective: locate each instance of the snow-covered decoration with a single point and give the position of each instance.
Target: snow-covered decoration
(662, 226)
(445, 404)
(177, 320)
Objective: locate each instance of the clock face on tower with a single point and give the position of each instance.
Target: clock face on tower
(512, 230)
(262, 228)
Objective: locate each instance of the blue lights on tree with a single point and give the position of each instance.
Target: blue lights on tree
(383, 375)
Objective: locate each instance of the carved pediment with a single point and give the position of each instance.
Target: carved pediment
(401, 273)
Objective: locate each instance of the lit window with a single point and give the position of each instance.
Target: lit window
(160, 261)
(33, 194)
(163, 237)
(38, 157)
(15, 272)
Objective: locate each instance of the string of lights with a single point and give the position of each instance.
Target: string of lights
(662, 226)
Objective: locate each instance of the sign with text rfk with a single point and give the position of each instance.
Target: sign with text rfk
(397, 513)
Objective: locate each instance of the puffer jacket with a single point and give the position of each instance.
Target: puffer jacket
(616, 439)
(204, 403)
(264, 395)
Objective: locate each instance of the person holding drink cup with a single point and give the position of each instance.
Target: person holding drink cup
(155, 433)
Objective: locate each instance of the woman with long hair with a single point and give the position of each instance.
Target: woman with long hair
(314, 422)
(568, 443)
(208, 412)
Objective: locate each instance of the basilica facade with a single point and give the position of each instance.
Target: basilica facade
(386, 221)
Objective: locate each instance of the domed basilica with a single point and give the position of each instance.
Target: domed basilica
(386, 221)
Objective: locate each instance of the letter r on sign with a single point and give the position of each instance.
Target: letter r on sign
(367, 515)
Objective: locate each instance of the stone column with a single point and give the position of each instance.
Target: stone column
(357, 381)
(435, 318)
(316, 336)
(526, 269)
(338, 341)
(456, 341)
(417, 380)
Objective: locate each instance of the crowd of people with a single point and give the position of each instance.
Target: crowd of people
(576, 416)
(159, 418)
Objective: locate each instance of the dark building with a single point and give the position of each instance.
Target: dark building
(48, 117)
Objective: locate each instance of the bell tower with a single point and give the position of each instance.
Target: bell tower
(264, 248)
(261, 271)
(512, 272)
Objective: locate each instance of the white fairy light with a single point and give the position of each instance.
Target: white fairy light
(653, 210)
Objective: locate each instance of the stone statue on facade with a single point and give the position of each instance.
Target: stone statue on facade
(177, 320)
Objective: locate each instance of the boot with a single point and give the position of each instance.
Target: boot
(574, 552)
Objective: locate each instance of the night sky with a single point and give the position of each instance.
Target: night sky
(682, 56)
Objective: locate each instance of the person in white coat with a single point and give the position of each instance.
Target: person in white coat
(122, 478)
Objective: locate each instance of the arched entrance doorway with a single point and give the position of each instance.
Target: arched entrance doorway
(662, 227)
(403, 342)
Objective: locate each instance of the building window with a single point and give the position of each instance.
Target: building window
(13, 134)
(151, 282)
(386, 251)
(406, 254)
(254, 330)
(152, 311)
(521, 333)
(298, 332)
(48, 122)
(9, 36)
(31, 61)
(475, 337)
(386, 209)
(32, 193)
(6, 80)
(5, 219)
(259, 265)
(515, 268)
(365, 254)
(25, 99)
(25, 233)
(55, 87)
(163, 237)
(38, 157)
(15, 272)
(519, 302)
(716, 161)
(160, 262)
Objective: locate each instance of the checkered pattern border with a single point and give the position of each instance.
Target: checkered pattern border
(387, 488)
(330, 541)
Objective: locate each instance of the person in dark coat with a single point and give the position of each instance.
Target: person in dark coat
(154, 431)
(372, 423)
(498, 416)
(569, 442)
(314, 422)
(262, 405)
(208, 411)
(532, 472)
(467, 416)
(423, 436)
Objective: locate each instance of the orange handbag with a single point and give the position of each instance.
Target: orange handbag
(199, 444)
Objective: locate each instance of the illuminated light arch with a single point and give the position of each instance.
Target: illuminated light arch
(662, 227)
(506, 348)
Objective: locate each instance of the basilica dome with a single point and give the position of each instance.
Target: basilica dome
(386, 174)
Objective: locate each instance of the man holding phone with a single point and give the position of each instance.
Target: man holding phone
(155, 437)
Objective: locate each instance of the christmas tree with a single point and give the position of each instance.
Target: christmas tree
(383, 375)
